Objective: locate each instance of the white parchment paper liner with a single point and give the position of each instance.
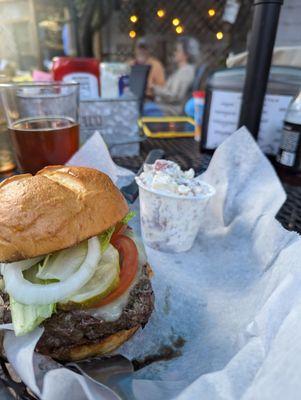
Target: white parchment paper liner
(95, 154)
(235, 299)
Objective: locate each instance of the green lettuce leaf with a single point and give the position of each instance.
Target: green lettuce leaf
(26, 318)
(105, 238)
(128, 217)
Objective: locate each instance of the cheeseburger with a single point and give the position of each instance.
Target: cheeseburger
(69, 262)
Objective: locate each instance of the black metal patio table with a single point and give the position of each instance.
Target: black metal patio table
(186, 153)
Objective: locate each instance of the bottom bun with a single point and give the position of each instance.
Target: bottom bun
(104, 347)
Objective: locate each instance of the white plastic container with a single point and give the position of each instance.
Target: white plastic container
(171, 222)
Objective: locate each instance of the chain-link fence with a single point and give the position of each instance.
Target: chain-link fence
(163, 21)
(108, 23)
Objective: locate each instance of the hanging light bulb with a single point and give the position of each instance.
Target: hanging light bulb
(176, 22)
(132, 34)
(179, 29)
(133, 18)
(219, 35)
(211, 12)
(161, 13)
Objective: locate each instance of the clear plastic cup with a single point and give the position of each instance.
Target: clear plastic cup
(170, 222)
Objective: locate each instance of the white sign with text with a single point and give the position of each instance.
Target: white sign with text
(224, 116)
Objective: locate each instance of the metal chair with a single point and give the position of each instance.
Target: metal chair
(138, 82)
(198, 77)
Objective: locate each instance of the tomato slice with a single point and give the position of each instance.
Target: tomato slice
(120, 229)
(128, 254)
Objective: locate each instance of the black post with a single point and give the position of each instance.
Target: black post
(264, 28)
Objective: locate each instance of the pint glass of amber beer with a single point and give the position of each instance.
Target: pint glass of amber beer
(43, 122)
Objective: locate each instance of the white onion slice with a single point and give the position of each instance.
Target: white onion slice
(64, 263)
(22, 265)
(29, 293)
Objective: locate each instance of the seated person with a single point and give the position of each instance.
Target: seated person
(143, 56)
(170, 98)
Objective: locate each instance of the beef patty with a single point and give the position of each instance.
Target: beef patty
(77, 327)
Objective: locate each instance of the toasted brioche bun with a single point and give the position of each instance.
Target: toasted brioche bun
(104, 347)
(55, 209)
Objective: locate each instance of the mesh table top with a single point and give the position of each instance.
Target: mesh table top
(186, 153)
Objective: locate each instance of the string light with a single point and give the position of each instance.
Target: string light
(161, 13)
(132, 34)
(219, 35)
(133, 18)
(176, 22)
(179, 29)
(211, 12)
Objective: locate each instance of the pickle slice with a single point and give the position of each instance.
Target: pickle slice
(103, 282)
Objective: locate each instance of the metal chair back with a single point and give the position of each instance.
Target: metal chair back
(138, 82)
